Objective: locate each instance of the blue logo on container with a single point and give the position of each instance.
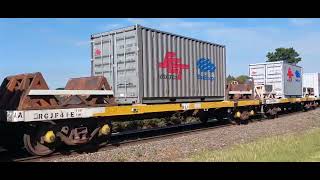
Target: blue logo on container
(298, 75)
(206, 68)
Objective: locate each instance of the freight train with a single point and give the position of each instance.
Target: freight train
(139, 72)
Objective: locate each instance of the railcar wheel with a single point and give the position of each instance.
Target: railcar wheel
(104, 135)
(40, 141)
(245, 115)
(204, 117)
(36, 148)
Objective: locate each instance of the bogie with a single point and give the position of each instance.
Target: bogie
(43, 139)
(34, 139)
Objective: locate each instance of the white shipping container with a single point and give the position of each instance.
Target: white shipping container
(285, 78)
(312, 80)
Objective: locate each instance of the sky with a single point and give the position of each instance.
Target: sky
(60, 48)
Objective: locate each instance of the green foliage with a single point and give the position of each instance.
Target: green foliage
(241, 79)
(230, 78)
(288, 55)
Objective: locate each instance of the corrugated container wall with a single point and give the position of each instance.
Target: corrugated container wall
(144, 65)
(312, 80)
(285, 78)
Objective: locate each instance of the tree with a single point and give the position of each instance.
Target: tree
(230, 78)
(288, 55)
(242, 79)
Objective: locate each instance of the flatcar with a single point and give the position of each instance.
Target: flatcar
(136, 72)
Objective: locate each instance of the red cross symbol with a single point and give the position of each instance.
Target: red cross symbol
(290, 74)
(98, 52)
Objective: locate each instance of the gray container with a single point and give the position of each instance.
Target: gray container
(144, 65)
(286, 79)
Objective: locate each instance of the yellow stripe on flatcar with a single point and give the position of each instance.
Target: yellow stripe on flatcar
(249, 103)
(143, 108)
(311, 99)
(296, 100)
(222, 104)
(285, 100)
(302, 99)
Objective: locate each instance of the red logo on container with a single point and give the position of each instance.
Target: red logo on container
(173, 65)
(290, 74)
(98, 52)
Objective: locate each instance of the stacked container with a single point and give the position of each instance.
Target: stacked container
(145, 65)
(286, 79)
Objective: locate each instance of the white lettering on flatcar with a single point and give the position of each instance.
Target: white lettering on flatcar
(19, 115)
(55, 115)
(52, 114)
(272, 101)
(185, 106)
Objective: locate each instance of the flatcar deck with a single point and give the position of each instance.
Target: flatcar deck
(128, 110)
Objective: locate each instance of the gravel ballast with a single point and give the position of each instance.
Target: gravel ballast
(180, 148)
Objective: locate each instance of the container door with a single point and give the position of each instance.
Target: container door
(292, 80)
(258, 73)
(308, 81)
(102, 53)
(274, 77)
(126, 67)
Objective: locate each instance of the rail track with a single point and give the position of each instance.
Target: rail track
(127, 138)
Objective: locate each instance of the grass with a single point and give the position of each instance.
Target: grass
(304, 147)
